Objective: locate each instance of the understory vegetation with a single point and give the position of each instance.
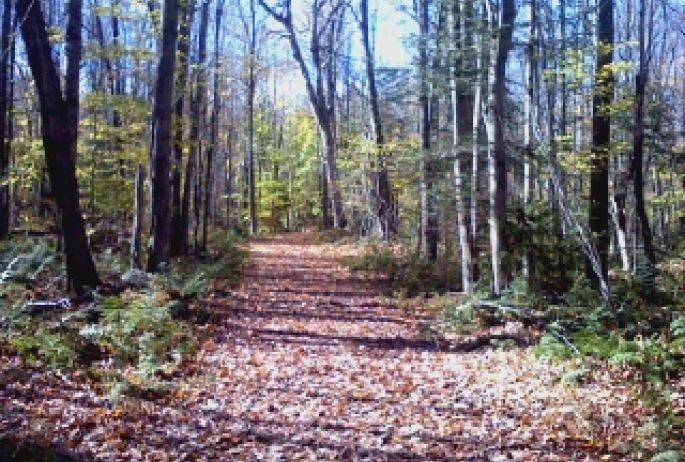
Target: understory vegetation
(132, 335)
(638, 339)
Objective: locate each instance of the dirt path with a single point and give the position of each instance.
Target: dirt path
(310, 364)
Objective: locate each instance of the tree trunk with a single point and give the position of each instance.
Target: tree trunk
(460, 128)
(429, 123)
(5, 109)
(528, 123)
(598, 264)
(191, 184)
(228, 190)
(251, 90)
(209, 183)
(384, 209)
(138, 218)
(636, 168)
(502, 34)
(179, 236)
(59, 116)
(160, 231)
(475, 148)
(618, 212)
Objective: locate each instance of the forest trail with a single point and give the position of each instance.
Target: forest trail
(313, 365)
(308, 363)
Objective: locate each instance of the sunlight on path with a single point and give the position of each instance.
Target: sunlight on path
(308, 363)
(313, 365)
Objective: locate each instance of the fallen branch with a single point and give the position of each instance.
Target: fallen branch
(41, 306)
(527, 317)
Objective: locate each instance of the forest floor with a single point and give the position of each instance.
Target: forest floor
(309, 363)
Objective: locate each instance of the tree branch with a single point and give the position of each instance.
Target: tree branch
(283, 19)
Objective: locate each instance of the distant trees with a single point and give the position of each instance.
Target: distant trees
(445, 151)
(320, 79)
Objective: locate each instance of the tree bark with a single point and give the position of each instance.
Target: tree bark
(460, 129)
(384, 209)
(598, 264)
(475, 147)
(251, 91)
(138, 218)
(636, 168)
(216, 113)
(528, 123)
(502, 27)
(618, 213)
(5, 108)
(193, 175)
(59, 116)
(429, 125)
(179, 236)
(160, 231)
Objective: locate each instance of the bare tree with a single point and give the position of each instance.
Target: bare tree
(325, 15)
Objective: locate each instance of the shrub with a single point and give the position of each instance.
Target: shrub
(407, 272)
(534, 230)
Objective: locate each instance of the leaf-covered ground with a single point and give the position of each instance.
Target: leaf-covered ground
(308, 363)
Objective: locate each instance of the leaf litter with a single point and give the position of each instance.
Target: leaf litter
(309, 363)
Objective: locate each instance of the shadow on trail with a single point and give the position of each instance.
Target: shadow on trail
(333, 437)
(380, 343)
(326, 314)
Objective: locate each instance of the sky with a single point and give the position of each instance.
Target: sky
(393, 28)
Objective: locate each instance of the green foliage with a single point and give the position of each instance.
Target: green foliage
(649, 349)
(183, 285)
(51, 345)
(534, 230)
(458, 317)
(289, 167)
(108, 153)
(24, 260)
(139, 331)
(408, 273)
(376, 258)
(226, 255)
(133, 330)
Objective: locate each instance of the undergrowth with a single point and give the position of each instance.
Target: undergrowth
(136, 342)
(641, 343)
(409, 274)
